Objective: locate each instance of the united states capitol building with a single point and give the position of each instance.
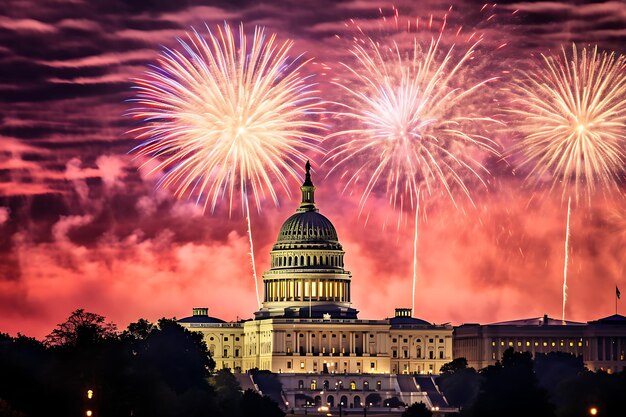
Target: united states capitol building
(307, 333)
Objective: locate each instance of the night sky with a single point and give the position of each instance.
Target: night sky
(82, 227)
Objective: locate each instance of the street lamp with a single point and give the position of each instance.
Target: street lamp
(593, 411)
(340, 408)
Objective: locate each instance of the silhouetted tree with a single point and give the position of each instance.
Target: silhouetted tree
(554, 368)
(417, 410)
(603, 391)
(510, 388)
(81, 327)
(228, 393)
(459, 383)
(393, 402)
(253, 404)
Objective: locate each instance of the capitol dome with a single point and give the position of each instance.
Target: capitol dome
(307, 278)
(307, 226)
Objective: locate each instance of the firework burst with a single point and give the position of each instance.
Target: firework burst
(222, 117)
(413, 123)
(572, 115)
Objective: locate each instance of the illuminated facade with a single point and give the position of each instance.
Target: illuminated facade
(307, 325)
(600, 343)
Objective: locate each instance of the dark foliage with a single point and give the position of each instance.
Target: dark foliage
(156, 370)
(393, 402)
(510, 388)
(256, 405)
(605, 392)
(417, 410)
(459, 383)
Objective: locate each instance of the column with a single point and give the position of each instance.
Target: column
(364, 342)
(351, 342)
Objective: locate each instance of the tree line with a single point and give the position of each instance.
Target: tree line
(86, 367)
(555, 384)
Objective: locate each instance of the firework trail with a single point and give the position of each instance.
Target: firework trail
(225, 117)
(569, 211)
(572, 115)
(406, 132)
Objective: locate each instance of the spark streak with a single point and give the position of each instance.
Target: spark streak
(572, 115)
(221, 117)
(409, 132)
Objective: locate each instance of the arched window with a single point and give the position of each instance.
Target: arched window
(326, 385)
(357, 401)
(308, 260)
(313, 384)
(379, 385)
(352, 386)
(289, 261)
(431, 354)
(419, 352)
(295, 261)
(300, 384)
(366, 386)
(302, 261)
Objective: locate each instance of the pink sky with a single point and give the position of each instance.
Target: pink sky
(81, 227)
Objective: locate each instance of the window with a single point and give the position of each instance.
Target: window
(441, 354)
(288, 335)
(225, 339)
(379, 385)
(236, 353)
(371, 336)
(313, 384)
(373, 365)
(394, 340)
(431, 355)
(352, 385)
(405, 340)
(225, 353)
(288, 364)
(440, 340)
(366, 386)
(418, 341)
(334, 335)
(343, 336)
(323, 336)
(211, 338)
(493, 343)
(431, 340)
(236, 339)
(405, 353)
(301, 365)
(394, 353)
(300, 384)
